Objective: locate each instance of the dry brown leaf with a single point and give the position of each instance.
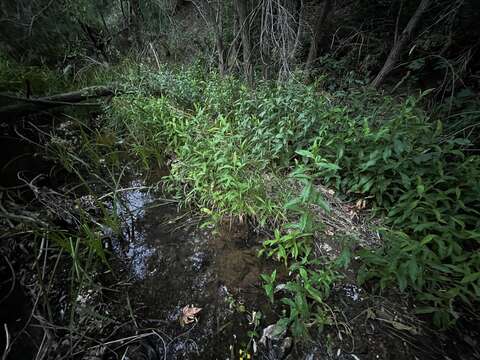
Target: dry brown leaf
(361, 204)
(189, 313)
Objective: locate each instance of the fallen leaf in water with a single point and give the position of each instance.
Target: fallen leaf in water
(189, 313)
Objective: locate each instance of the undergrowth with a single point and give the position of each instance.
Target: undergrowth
(38, 80)
(231, 149)
(234, 151)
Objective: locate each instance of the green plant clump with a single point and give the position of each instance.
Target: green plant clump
(231, 148)
(429, 193)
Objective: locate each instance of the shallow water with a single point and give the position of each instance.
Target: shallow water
(173, 263)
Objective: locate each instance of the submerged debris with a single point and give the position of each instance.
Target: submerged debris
(189, 314)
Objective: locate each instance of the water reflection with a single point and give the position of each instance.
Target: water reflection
(131, 206)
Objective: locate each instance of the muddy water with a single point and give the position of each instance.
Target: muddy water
(173, 263)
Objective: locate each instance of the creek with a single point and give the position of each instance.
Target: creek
(172, 262)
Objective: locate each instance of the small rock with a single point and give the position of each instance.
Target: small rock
(272, 333)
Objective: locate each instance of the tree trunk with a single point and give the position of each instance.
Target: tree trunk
(135, 21)
(31, 106)
(317, 34)
(96, 39)
(213, 18)
(234, 48)
(399, 45)
(220, 49)
(241, 9)
(300, 31)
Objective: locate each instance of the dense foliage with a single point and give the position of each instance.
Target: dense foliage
(231, 148)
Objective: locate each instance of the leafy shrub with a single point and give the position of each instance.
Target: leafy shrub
(230, 147)
(428, 191)
(305, 292)
(212, 162)
(435, 249)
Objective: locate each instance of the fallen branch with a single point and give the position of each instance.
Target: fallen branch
(27, 106)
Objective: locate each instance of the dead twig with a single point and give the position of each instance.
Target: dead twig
(7, 342)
